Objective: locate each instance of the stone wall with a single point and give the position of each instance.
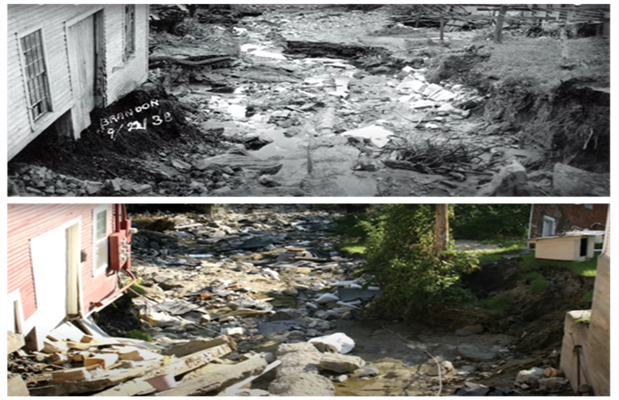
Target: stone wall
(593, 337)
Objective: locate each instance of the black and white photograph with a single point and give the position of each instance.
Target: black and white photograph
(320, 100)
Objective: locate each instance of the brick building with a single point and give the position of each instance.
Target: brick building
(64, 60)
(555, 219)
(60, 264)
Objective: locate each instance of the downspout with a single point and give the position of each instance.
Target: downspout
(530, 222)
(107, 301)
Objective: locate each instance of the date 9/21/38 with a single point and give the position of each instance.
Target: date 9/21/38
(156, 120)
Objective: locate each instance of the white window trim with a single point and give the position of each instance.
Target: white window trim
(98, 271)
(554, 225)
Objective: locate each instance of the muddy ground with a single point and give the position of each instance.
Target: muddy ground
(330, 101)
(261, 274)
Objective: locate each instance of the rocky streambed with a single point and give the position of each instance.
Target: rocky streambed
(268, 277)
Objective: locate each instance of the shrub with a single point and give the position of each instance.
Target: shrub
(499, 305)
(538, 285)
(135, 334)
(415, 280)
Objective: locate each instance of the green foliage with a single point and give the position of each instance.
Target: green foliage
(415, 280)
(510, 247)
(498, 305)
(490, 221)
(538, 285)
(135, 334)
(585, 268)
(588, 297)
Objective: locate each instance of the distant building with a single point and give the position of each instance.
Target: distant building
(64, 60)
(557, 219)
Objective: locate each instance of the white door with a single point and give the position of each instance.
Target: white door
(81, 43)
(49, 264)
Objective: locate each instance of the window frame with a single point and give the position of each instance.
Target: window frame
(20, 37)
(98, 269)
(549, 219)
(129, 32)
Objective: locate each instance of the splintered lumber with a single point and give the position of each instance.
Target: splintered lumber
(134, 354)
(197, 345)
(88, 339)
(218, 379)
(190, 63)
(50, 347)
(220, 346)
(15, 342)
(71, 375)
(106, 360)
(90, 386)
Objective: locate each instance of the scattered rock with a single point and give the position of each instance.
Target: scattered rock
(571, 181)
(340, 363)
(302, 385)
(553, 385)
(368, 370)
(510, 181)
(529, 377)
(473, 353)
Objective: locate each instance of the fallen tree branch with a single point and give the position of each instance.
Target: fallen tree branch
(190, 63)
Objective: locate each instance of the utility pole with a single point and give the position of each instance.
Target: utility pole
(499, 24)
(441, 227)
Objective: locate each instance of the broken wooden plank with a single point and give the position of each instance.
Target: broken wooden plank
(71, 375)
(92, 386)
(220, 346)
(105, 360)
(262, 167)
(196, 345)
(219, 379)
(15, 342)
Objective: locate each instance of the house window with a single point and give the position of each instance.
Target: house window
(129, 31)
(549, 227)
(588, 206)
(99, 222)
(36, 74)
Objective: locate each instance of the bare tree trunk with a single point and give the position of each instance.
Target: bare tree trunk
(564, 49)
(441, 227)
(442, 27)
(499, 24)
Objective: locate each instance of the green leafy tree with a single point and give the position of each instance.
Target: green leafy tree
(416, 280)
(490, 221)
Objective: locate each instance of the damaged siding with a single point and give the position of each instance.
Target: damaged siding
(114, 77)
(26, 221)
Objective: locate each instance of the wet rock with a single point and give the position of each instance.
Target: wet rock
(529, 377)
(296, 337)
(302, 385)
(340, 363)
(297, 358)
(368, 370)
(553, 385)
(473, 353)
(571, 181)
(474, 389)
(446, 367)
(470, 330)
(510, 181)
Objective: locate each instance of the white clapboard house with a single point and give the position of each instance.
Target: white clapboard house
(64, 60)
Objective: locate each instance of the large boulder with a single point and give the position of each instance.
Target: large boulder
(510, 181)
(571, 181)
(340, 363)
(302, 385)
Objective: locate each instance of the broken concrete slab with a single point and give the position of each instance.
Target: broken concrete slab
(571, 181)
(341, 364)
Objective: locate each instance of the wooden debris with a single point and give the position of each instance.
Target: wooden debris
(50, 347)
(134, 354)
(58, 359)
(71, 375)
(106, 360)
(218, 379)
(88, 339)
(178, 367)
(15, 342)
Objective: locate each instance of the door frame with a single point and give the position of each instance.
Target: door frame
(72, 233)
